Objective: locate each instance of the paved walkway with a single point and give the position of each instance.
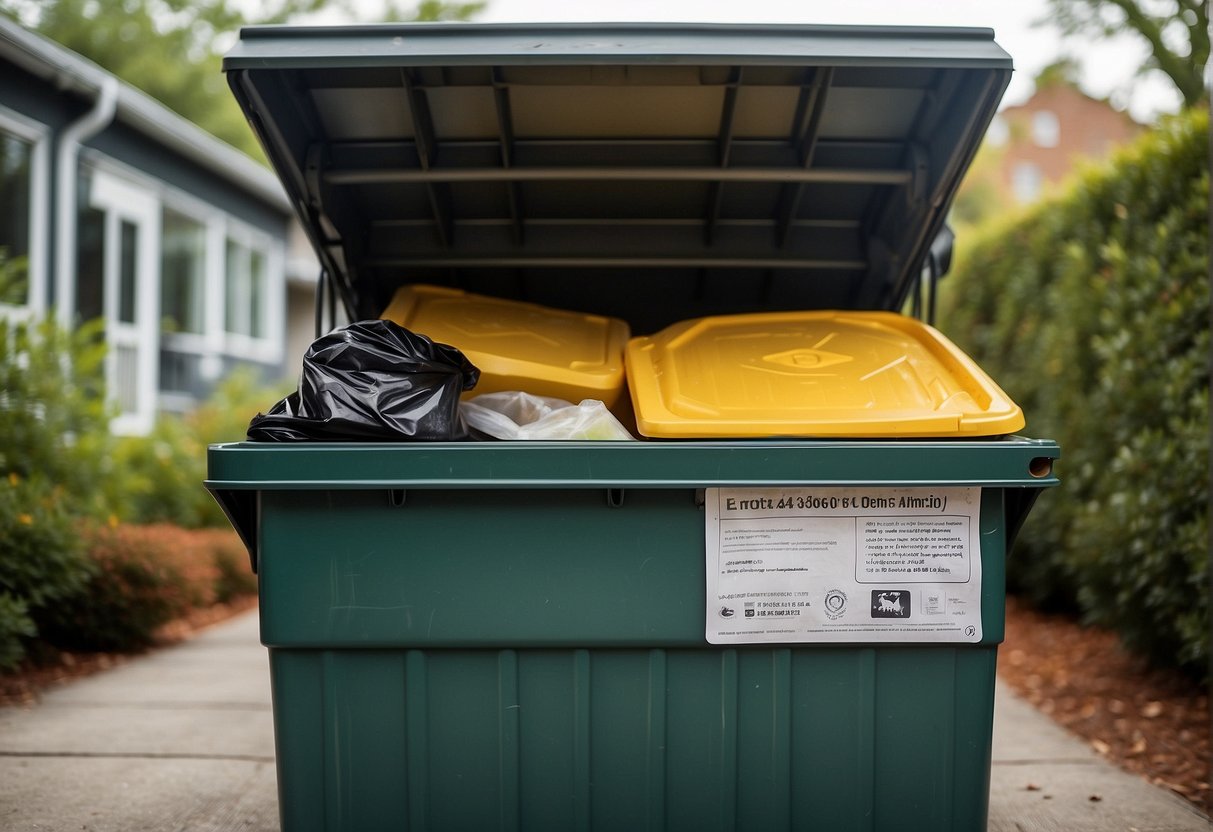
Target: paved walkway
(183, 740)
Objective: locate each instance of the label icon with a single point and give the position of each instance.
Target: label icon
(890, 603)
(835, 603)
(726, 612)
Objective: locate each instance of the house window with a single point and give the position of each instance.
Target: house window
(90, 260)
(128, 250)
(1046, 129)
(246, 308)
(118, 229)
(16, 198)
(1026, 181)
(182, 274)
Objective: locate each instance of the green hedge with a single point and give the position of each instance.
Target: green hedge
(159, 477)
(65, 580)
(141, 578)
(1092, 312)
(54, 455)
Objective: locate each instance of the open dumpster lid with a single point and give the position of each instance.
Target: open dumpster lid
(650, 172)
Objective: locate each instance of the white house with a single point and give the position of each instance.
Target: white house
(121, 209)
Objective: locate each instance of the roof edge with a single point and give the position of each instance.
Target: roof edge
(71, 72)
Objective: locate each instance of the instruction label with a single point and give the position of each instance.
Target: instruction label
(843, 565)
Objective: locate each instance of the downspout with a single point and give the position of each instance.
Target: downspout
(66, 159)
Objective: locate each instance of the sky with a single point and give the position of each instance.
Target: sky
(1108, 66)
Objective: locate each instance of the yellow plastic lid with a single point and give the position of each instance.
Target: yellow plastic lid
(520, 346)
(823, 374)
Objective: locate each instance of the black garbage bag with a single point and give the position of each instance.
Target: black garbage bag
(372, 381)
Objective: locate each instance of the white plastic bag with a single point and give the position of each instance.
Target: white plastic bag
(517, 415)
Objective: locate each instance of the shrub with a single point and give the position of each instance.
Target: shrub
(1092, 311)
(161, 477)
(144, 577)
(137, 585)
(54, 423)
(16, 627)
(161, 474)
(59, 464)
(236, 578)
(42, 562)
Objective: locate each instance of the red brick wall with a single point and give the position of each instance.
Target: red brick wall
(1088, 129)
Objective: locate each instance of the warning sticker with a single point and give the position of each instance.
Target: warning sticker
(843, 565)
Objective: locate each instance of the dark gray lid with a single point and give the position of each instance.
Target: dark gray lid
(651, 172)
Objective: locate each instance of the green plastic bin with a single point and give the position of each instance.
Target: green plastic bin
(515, 636)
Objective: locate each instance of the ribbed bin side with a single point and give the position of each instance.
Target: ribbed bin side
(860, 738)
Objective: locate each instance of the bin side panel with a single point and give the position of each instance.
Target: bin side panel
(973, 738)
(833, 739)
(366, 774)
(465, 738)
(482, 568)
(913, 752)
(749, 738)
(499, 568)
(297, 686)
(993, 531)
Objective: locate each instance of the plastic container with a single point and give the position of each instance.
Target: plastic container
(520, 346)
(812, 374)
(542, 635)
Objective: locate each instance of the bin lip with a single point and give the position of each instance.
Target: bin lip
(1011, 461)
(802, 166)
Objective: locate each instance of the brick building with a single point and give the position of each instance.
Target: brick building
(1037, 144)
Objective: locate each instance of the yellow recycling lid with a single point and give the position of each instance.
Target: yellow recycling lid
(815, 374)
(520, 346)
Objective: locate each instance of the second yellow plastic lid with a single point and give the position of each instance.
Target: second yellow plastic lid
(811, 374)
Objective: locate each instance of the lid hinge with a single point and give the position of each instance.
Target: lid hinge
(317, 159)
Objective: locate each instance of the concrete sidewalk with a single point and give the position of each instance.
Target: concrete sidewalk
(183, 740)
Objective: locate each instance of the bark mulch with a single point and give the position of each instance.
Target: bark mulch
(1149, 721)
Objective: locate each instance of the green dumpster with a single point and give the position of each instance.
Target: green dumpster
(576, 635)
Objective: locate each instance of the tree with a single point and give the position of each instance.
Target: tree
(1177, 32)
(172, 49)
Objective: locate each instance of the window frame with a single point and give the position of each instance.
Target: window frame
(204, 216)
(1046, 129)
(215, 347)
(1021, 172)
(267, 348)
(38, 135)
(134, 200)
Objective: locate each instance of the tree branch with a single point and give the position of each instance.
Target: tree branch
(1187, 79)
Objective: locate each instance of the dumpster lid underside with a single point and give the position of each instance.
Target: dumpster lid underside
(648, 172)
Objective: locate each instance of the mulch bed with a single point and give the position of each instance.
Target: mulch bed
(1152, 722)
